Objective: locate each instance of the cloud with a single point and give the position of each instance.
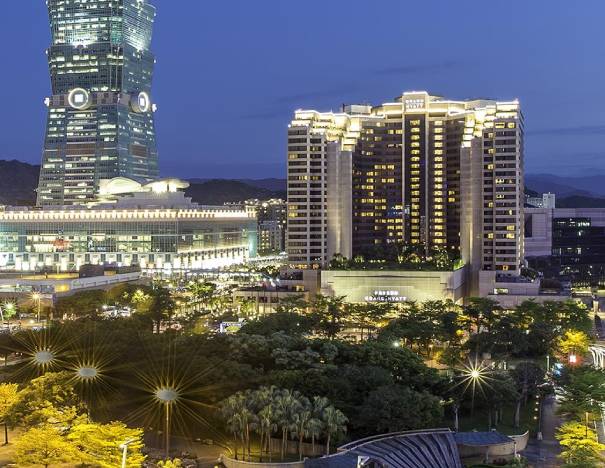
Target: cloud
(421, 68)
(568, 131)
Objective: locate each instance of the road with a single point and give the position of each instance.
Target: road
(543, 454)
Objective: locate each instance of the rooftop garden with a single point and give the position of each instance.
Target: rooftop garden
(400, 257)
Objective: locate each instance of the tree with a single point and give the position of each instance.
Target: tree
(202, 292)
(574, 342)
(330, 315)
(581, 446)
(160, 307)
(527, 377)
(398, 408)
(582, 391)
(8, 310)
(43, 446)
(301, 423)
(49, 399)
(9, 395)
(291, 323)
(482, 312)
(176, 463)
(99, 444)
(81, 304)
(234, 412)
(335, 424)
(287, 405)
(499, 391)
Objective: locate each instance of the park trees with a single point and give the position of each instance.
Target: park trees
(398, 408)
(99, 444)
(81, 304)
(9, 395)
(574, 342)
(43, 445)
(158, 306)
(330, 314)
(583, 391)
(50, 399)
(528, 376)
(580, 446)
(203, 293)
(290, 323)
(270, 410)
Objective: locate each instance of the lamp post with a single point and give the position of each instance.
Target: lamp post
(167, 396)
(475, 375)
(124, 448)
(36, 296)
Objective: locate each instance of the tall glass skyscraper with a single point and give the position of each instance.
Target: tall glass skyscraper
(100, 115)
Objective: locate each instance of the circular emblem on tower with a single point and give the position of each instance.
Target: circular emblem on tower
(79, 98)
(140, 103)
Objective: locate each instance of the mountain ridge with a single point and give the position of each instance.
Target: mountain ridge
(18, 182)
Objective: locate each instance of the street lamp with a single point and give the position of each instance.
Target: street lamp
(167, 396)
(124, 448)
(36, 296)
(475, 374)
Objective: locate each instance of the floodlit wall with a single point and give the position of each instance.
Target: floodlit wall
(394, 286)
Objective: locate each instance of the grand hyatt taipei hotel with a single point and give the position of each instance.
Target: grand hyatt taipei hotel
(100, 200)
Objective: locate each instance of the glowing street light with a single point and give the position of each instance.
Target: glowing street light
(167, 396)
(475, 375)
(573, 359)
(87, 373)
(37, 297)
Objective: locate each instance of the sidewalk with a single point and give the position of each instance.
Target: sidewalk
(543, 454)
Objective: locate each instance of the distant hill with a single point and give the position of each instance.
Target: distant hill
(221, 191)
(18, 182)
(578, 201)
(588, 186)
(274, 185)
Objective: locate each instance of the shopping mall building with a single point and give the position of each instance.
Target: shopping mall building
(148, 224)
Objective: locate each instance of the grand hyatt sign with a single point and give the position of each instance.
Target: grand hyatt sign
(385, 296)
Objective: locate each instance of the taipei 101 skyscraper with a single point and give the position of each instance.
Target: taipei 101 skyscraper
(100, 115)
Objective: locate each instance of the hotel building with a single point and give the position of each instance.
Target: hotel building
(422, 170)
(100, 115)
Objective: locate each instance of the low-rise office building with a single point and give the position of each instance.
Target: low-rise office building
(568, 242)
(152, 225)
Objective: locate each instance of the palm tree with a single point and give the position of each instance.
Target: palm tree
(267, 425)
(287, 406)
(300, 422)
(202, 292)
(315, 428)
(335, 422)
(231, 412)
(261, 404)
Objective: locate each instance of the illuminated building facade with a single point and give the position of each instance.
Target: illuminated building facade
(100, 116)
(152, 225)
(422, 170)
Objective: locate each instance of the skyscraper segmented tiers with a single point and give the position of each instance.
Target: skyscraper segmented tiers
(100, 114)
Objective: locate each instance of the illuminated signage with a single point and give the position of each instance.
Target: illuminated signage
(385, 296)
(412, 104)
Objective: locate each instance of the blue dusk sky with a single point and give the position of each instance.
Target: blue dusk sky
(230, 72)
